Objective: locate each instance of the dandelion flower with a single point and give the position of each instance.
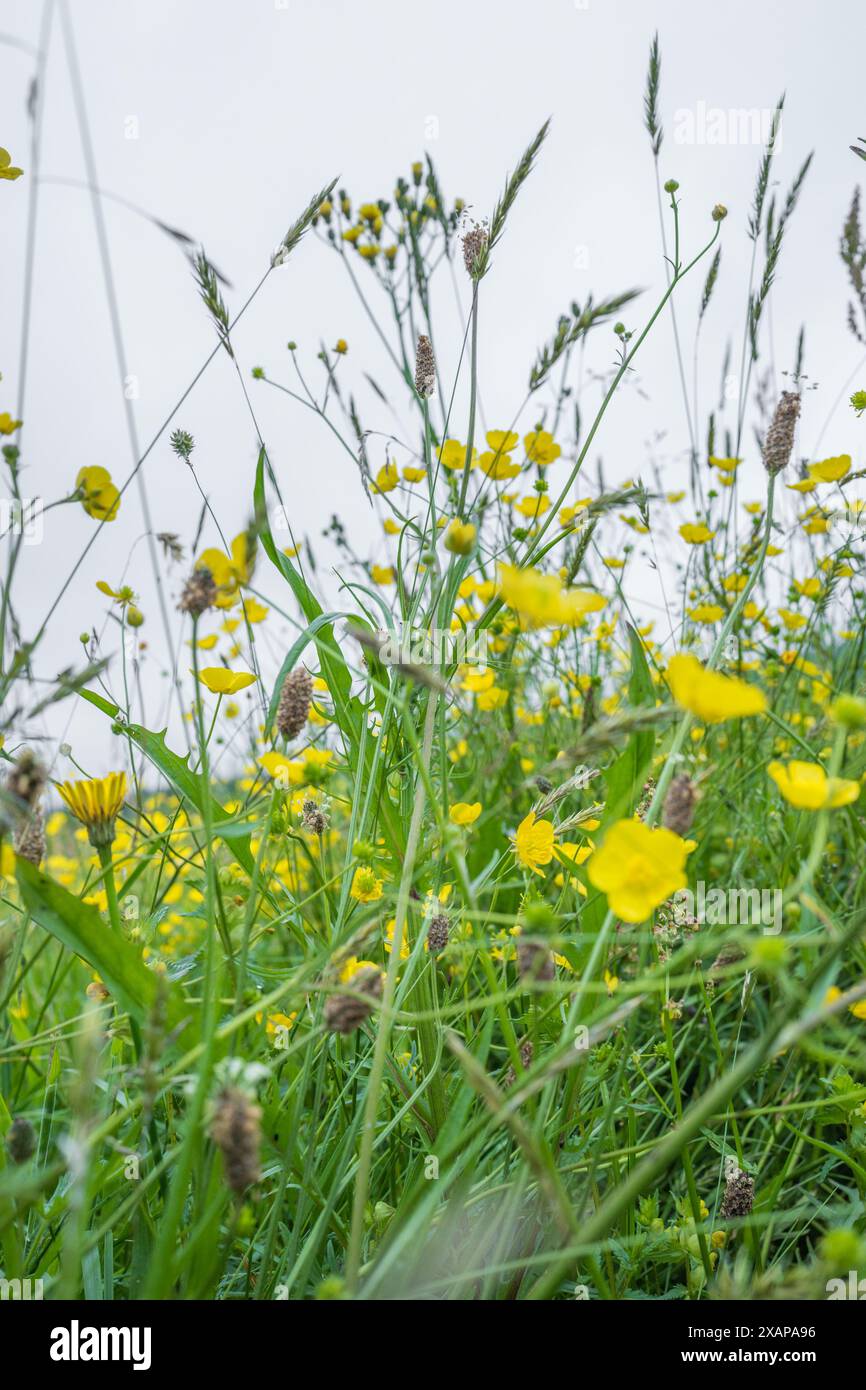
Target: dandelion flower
(96, 803)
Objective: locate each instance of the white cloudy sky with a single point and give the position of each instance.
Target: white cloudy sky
(243, 108)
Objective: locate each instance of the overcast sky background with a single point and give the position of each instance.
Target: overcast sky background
(241, 109)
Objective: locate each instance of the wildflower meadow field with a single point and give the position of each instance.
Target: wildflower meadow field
(465, 935)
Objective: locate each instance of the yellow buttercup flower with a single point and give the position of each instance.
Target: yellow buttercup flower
(498, 466)
(540, 447)
(696, 533)
(353, 966)
(460, 537)
(7, 169)
(793, 621)
(541, 600)
(366, 887)
(220, 681)
(830, 470)
(501, 441)
(807, 786)
(637, 868)
(709, 695)
(7, 424)
(96, 803)
(532, 507)
(707, 613)
(462, 813)
(533, 843)
(453, 455)
(99, 497)
(387, 478)
(229, 571)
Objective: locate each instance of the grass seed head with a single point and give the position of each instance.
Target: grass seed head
(20, 1140)
(199, 593)
(438, 932)
(30, 839)
(345, 1012)
(294, 705)
(425, 368)
(679, 807)
(780, 436)
(26, 779)
(739, 1194)
(236, 1131)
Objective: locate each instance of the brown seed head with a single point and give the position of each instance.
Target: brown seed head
(199, 593)
(21, 1140)
(236, 1131)
(30, 838)
(343, 1012)
(425, 368)
(26, 779)
(534, 962)
(313, 818)
(294, 705)
(438, 931)
(679, 807)
(474, 246)
(780, 436)
(739, 1194)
